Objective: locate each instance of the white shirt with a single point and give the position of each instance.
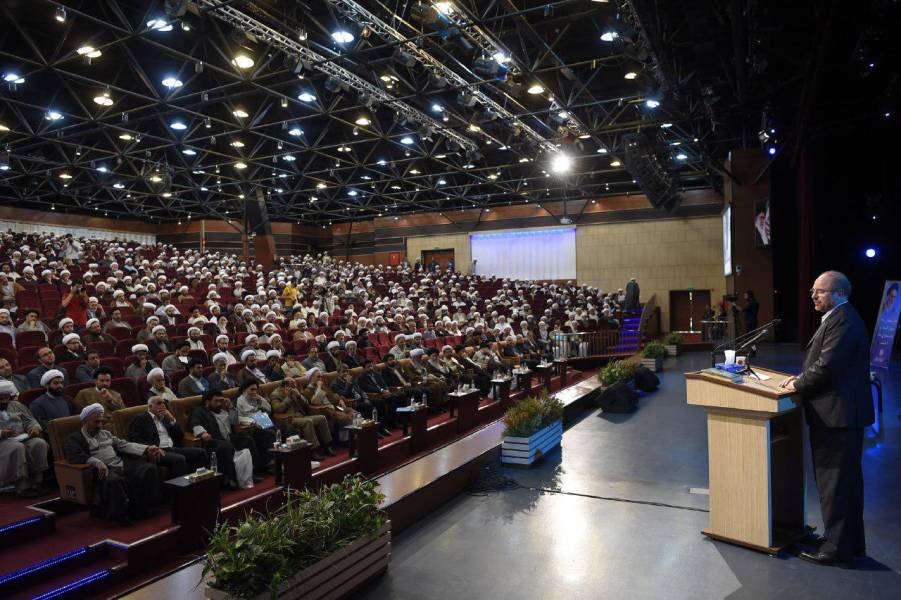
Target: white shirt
(165, 440)
(830, 311)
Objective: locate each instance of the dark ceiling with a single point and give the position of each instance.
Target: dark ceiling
(385, 130)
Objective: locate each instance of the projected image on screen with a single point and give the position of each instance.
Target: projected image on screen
(527, 254)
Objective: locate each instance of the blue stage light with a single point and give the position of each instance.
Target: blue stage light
(870, 253)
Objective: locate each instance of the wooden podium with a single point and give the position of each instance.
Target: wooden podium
(755, 441)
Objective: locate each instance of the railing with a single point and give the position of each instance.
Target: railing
(647, 313)
(581, 345)
(714, 331)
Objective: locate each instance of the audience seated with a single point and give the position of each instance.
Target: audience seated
(157, 380)
(46, 362)
(213, 423)
(288, 403)
(101, 393)
(142, 363)
(193, 384)
(53, 403)
(23, 452)
(157, 427)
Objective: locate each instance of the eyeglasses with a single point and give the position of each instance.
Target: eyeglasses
(819, 292)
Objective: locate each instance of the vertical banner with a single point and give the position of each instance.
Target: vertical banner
(393, 259)
(762, 236)
(886, 326)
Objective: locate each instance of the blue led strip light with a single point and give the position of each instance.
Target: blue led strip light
(74, 585)
(18, 524)
(42, 565)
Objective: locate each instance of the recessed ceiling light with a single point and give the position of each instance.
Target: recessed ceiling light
(240, 165)
(296, 131)
(652, 103)
(609, 36)
(65, 176)
(126, 136)
(167, 194)
(320, 186)
(12, 77)
(381, 162)
(289, 158)
(103, 99)
(155, 178)
(602, 151)
(342, 36)
(363, 121)
(407, 140)
(102, 169)
(237, 144)
(616, 163)
(630, 75)
(178, 126)
(306, 97)
(682, 156)
(119, 186)
(352, 193)
(535, 88)
(89, 51)
(241, 114)
(53, 115)
(172, 83)
(242, 61)
(159, 24)
(666, 125)
(189, 152)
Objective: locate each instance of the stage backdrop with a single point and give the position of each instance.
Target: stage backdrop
(526, 254)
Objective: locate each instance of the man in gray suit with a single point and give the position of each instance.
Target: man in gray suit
(834, 386)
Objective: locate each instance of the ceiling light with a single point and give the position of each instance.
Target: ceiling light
(682, 156)
(395, 187)
(119, 186)
(172, 83)
(3, 127)
(414, 171)
(296, 131)
(652, 103)
(602, 151)
(445, 8)
(320, 186)
(407, 140)
(126, 136)
(468, 166)
(241, 114)
(352, 193)
(203, 189)
(178, 126)
(616, 163)
(189, 152)
(524, 159)
(381, 162)
(240, 165)
(159, 25)
(535, 88)
(437, 107)
(53, 115)
(289, 158)
(89, 51)
(343, 148)
(167, 194)
(306, 97)
(103, 99)
(666, 125)
(102, 169)
(242, 61)
(65, 176)
(609, 36)
(493, 176)
(442, 182)
(60, 14)
(363, 121)
(237, 144)
(630, 75)
(155, 178)
(561, 163)
(500, 58)
(342, 36)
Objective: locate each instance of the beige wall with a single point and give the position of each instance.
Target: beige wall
(664, 255)
(458, 241)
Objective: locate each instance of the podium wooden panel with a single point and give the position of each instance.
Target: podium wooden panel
(755, 446)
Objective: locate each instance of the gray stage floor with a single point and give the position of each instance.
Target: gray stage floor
(590, 541)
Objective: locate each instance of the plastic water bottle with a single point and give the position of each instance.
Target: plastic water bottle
(375, 416)
(278, 438)
(424, 399)
(214, 465)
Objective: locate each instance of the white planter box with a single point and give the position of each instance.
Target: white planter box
(672, 349)
(335, 576)
(525, 451)
(654, 364)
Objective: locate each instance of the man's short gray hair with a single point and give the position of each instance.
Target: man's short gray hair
(840, 283)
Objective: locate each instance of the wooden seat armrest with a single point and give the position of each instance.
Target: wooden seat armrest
(72, 466)
(281, 417)
(192, 441)
(242, 428)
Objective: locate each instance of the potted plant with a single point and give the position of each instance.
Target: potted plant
(673, 341)
(652, 356)
(616, 371)
(323, 543)
(618, 393)
(532, 427)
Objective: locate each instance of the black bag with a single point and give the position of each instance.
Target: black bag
(618, 398)
(646, 380)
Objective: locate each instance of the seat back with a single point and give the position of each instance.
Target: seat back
(127, 388)
(122, 419)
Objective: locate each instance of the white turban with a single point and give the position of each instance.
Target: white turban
(49, 376)
(446, 347)
(222, 337)
(66, 321)
(350, 343)
(197, 329)
(416, 352)
(312, 372)
(69, 337)
(153, 318)
(158, 328)
(271, 353)
(332, 345)
(251, 338)
(154, 372)
(8, 388)
(91, 322)
(220, 356)
(90, 410)
(139, 348)
(247, 353)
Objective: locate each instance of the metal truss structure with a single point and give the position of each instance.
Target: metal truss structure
(398, 120)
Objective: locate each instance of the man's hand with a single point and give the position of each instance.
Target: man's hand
(166, 415)
(154, 453)
(35, 431)
(102, 470)
(205, 437)
(5, 433)
(789, 384)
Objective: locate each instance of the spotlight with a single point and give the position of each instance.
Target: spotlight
(771, 150)
(242, 61)
(60, 14)
(489, 67)
(306, 97)
(363, 121)
(437, 108)
(53, 115)
(178, 126)
(159, 24)
(295, 131)
(240, 165)
(172, 83)
(13, 78)
(535, 89)
(406, 140)
(89, 51)
(609, 36)
(681, 156)
(652, 103)
(561, 163)
(438, 81)
(630, 75)
(241, 114)
(870, 253)
(342, 36)
(103, 99)
(335, 85)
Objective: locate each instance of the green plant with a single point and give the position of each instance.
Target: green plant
(532, 414)
(673, 339)
(260, 553)
(618, 370)
(653, 350)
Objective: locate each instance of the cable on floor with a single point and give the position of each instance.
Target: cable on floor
(491, 480)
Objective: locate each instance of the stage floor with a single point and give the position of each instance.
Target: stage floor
(592, 540)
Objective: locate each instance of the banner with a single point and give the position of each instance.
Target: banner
(886, 326)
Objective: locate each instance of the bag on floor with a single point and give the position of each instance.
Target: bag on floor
(646, 380)
(618, 398)
(244, 468)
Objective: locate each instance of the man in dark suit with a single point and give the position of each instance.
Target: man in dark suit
(193, 384)
(157, 427)
(835, 388)
(375, 387)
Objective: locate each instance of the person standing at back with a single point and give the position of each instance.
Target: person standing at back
(834, 386)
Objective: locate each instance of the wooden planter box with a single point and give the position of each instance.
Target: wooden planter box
(336, 576)
(654, 364)
(672, 349)
(526, 451)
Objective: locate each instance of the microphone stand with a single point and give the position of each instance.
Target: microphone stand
(751, 346)
(742, 339)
